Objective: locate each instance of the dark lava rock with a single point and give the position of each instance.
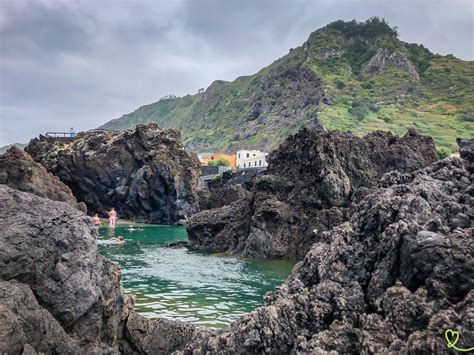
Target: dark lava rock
(228, 187)
(311, 180)
(19, 171)
(390, 279)
(178, 244)
(58, 295)
(145, 172)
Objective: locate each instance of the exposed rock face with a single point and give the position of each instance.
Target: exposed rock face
(391, 279)
(19, 171)
(50, 248)
(227, 188)
(377, 63)
(57, 294)
(144, 173)
(310, 181)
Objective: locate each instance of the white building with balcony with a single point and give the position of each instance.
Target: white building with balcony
(251, 159)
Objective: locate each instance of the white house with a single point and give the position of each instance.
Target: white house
(251, 159)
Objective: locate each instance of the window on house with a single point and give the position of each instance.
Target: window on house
(248, 155)
(260, 163)
(244, 165)
(239, 155)
(253, 154)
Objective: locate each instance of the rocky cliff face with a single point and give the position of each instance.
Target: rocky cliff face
(19, 171)
(49, 262)
(311, 180)
(58, 295)
(390, 279)
(145, 173)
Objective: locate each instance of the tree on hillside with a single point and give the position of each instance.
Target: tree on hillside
(219, 162)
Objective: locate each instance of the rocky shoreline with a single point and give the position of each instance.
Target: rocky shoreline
(388, 270)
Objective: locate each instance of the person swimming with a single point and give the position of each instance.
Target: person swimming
(112, 218)
(118, 240)
(140, 228)
(96, 220)
(130, 227)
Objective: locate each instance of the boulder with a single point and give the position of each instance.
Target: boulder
(310, 182)
(19, 171)
(144, 172)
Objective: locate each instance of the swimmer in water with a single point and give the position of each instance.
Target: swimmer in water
(130, 227)
(112, 218)
(140, 228)
(96, 220)
(118, 240)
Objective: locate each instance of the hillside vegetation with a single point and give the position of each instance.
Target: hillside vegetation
(353, 76)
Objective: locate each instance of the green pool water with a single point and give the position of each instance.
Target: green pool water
(175, 283)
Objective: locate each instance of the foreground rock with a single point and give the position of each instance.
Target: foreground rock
(310, 181)
(19, 171)
(391, 279)
(58, 295)
(144, 173)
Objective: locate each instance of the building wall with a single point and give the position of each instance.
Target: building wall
(251, 159)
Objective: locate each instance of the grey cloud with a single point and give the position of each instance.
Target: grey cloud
(80, 63)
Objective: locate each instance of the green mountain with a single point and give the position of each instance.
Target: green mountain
(353, 76)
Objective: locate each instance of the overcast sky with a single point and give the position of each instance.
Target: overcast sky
(81, 63)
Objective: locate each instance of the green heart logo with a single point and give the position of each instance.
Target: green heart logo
(452, 337)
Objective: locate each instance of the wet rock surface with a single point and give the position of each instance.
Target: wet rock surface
(145, 172)
(311, 180)
(19, 171)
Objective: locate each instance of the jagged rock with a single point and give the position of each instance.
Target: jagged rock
(19, 171)
(466, 151)
(25, 325)
(58, 295)
(327, 54)
(51, 247)
(307, 187)
(227, 188)
(391, 279)
(144, 173)
(377, 63)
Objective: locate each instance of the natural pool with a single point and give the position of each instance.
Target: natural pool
(175, 283)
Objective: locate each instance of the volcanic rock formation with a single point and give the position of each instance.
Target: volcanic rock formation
(58, 295)
(226, 188)
(144, 173)
(390, 279)
(311, 180)
(19, 171)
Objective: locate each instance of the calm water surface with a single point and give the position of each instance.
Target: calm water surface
(174, 283)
